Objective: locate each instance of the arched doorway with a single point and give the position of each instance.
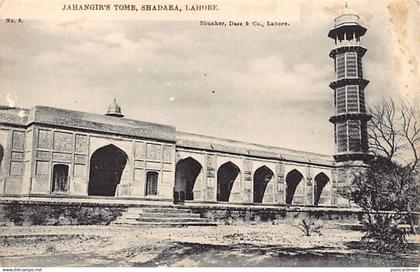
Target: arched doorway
(1, 155)
(261, 178)
(320, 181)
(106, 167)
(1, 161)
(186, 173)
(293, 179)
(226, 176)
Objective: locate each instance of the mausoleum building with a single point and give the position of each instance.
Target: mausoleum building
(48, 151)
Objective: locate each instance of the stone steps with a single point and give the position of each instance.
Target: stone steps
(165, 209)
(161, 217)
(165, 224)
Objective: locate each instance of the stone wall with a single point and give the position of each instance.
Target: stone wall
(252, 214)
(32, 213)
(26, 213)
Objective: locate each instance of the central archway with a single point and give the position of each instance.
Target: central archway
(262, 176)
(186, 173)
(293, 179)
(226, 176)
(106, 167)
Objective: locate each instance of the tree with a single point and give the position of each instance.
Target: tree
(394, 132)
(384, 192)
(389, 190)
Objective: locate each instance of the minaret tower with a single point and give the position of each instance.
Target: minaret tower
(350, 117)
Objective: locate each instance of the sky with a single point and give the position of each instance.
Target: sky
(260, 85)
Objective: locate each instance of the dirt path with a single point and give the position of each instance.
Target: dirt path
(244, 245)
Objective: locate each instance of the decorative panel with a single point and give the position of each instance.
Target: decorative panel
(43, 154)
(18, 140)
(41, 168)
(247, 166)
(138, 164)
(63, 141)
(248, 184)
(334, 176)
(79, 170)
(364, 136)
(211, 182)
(351, 63)
(44, 139)
(17, 156)
(340, 66)
(362, 100)
(81, 159)
(359, 67)
(167, 153)
(354, 135)
(61, 157)
(153, 165)
(139, 150)
(280, 170)
(280, 176)
(138, 174)
(211, 166)
(154, 152)
(341, 137)
(352, 98)
(167, 178)
(247, 177)
(81, 143)
(16, 168)
(340, 102)
(247, 173)
(167, 167)
(308, 175)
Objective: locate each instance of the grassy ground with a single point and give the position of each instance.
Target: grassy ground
(240, 245)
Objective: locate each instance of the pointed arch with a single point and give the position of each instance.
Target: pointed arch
(106, 167)
(1, 154)
(293, 178)
(186, 174)
(226, 176)
(320, 181)
(262, 177)
(1, 161)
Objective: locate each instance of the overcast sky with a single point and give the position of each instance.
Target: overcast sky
(261, 85)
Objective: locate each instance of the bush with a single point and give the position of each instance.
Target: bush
(308, 225)
(385, 193)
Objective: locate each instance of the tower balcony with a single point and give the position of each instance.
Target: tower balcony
(362, 116)
(349, 81)
(353, 156)
(348, 46)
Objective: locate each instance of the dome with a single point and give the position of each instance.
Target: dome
(114, 109)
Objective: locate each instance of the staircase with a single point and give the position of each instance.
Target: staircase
(161, 217)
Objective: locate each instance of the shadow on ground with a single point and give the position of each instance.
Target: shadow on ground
(190, 254)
